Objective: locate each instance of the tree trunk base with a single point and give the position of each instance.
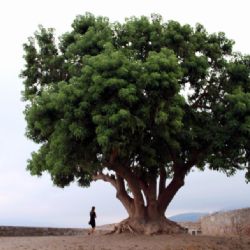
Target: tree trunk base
(162, 226)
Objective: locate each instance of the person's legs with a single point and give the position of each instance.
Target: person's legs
(93, 227)
(92, 230)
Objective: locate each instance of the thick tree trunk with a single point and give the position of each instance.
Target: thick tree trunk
(148, 226)
(146, 207)
(151, 217)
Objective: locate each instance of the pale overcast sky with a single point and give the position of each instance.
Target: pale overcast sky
(32, 201)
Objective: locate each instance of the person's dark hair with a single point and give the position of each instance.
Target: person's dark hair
(92, 209)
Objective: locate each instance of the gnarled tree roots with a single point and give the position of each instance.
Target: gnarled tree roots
(162, 226)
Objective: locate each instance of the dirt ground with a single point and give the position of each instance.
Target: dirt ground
(101, 241)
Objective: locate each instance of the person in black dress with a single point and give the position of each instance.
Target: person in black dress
(92, 220)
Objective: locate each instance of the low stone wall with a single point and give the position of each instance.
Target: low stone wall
(231, 223)
(193, 228)
(39, 231)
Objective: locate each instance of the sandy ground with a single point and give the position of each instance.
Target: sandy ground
(101, 241)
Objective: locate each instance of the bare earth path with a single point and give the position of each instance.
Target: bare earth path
(100, 241)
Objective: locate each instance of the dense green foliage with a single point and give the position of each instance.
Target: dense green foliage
(156, 93)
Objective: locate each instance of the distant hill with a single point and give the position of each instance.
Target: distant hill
(187, 217)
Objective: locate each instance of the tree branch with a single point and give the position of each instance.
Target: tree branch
(196, 156)
(106, 178)
(180, 171)
(162, 182)
(169, 192)
(133, 182)
(151, 195)
(126, 173)
(196, 103)
(123, 196)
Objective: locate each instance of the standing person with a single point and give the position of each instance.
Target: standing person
(92, 220)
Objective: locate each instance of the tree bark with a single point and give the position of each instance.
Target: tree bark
(162, 181)
(151, 197)
(162, 225)
(149, 217)
(123, 196)
(134, 186)
(146, 215)
(166, 196)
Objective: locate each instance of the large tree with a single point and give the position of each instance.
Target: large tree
(136, 104)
